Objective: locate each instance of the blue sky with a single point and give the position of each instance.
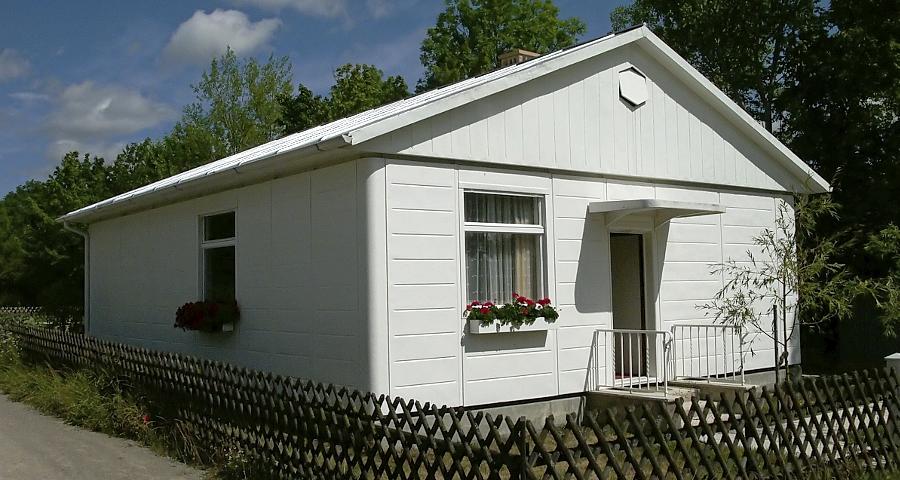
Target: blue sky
(93, 76)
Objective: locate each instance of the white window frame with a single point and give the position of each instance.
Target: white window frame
(210, 244)
(540, 230)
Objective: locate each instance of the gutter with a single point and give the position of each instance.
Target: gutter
(87, 272)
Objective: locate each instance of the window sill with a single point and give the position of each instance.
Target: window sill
(539, 325)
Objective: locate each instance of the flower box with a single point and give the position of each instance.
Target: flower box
(521, 315)
(476, 328)
(208, 317)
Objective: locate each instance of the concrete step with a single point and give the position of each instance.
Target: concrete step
(623, 396)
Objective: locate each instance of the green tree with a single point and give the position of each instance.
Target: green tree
(748, 48)
(884, 248)
(303, 111)
(471, 34)
(42, 263)
(844, 113)
(357, 88)
(237, 107)
(140, 164)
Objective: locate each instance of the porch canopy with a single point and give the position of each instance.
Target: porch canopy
(660, 211)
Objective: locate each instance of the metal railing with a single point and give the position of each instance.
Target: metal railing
(631, 359)
(708, 351)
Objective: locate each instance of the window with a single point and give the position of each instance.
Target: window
(217, 255)
(504, 237)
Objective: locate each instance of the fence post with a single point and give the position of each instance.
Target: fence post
(522, 445)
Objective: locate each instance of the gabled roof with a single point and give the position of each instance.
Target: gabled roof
(367, 125)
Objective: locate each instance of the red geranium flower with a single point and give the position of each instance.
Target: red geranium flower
(544, 302)
(485, 310)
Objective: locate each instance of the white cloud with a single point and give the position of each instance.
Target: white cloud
(89, 111)
(12, 64)
(206, 35)
(319, 8)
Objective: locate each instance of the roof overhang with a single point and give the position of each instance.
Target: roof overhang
(661, 211)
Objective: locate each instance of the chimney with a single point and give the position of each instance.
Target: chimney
(516, 56)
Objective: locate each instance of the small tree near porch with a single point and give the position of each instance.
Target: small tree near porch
(787, 282)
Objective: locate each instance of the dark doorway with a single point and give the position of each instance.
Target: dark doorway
(628, 303)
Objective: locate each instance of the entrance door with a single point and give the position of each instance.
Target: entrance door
(627, 268)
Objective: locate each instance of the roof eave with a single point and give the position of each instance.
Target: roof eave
(260, 167)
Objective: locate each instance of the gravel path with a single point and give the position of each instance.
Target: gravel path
(35, 446)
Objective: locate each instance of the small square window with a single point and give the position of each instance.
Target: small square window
(218, 227)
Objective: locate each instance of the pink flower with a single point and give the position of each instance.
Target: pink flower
(146, 419)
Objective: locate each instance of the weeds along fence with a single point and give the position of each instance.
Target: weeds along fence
(68, 319)
(293, 429)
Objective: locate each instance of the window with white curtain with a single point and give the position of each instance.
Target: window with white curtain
(504, 242)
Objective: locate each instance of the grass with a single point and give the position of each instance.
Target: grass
(99, 402)
(81, 398)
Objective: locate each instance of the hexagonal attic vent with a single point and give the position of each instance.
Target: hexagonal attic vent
(633, 87)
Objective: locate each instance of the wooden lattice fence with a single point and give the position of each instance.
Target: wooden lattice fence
(294, 429)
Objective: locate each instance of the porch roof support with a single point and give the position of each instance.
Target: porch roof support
(661, 210)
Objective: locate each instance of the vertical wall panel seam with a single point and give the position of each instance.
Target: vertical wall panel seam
(460, 265)
(551, 217)
(387, 270)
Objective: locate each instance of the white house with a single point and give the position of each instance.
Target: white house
(607, 176)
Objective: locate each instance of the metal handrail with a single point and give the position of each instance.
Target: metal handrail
(618, 350)
(697, 354)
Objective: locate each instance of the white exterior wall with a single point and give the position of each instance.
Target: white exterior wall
(432, 358)
(301, 276)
